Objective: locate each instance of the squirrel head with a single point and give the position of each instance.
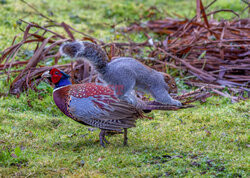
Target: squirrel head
(170, 82)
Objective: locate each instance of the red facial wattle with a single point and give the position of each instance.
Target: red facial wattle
(56, 75)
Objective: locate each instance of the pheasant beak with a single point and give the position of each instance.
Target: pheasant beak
(46, 75)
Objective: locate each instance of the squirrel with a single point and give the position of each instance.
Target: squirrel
(124, 73)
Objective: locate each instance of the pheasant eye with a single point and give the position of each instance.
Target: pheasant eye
(56, 72)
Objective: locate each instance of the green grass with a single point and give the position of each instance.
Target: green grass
(36, 139)
(211, 139)
(96, 17)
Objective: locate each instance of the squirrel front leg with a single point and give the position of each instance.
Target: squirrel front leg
(161, 95)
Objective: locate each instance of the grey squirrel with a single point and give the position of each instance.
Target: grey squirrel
(124, 73)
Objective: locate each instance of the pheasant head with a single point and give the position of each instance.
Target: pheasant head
(57, 77)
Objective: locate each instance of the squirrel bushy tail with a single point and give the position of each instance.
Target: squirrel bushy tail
(86, 50)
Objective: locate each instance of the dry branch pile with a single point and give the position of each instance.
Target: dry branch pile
(216, 53)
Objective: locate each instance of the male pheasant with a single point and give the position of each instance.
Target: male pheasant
(93, 105)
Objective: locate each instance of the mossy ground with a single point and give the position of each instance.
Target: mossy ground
(36, 139)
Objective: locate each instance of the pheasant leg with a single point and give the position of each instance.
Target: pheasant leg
(102, 138)
(125, 141)
(105, 140)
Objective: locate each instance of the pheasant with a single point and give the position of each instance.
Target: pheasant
(93, 105)
(96, 105)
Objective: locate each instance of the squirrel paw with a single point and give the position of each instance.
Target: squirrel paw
(176, 103)
(130, 100)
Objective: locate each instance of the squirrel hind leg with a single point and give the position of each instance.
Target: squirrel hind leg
(123, 86)
(161, 95)
(131, 99)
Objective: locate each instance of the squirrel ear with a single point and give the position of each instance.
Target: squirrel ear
(167, 77)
